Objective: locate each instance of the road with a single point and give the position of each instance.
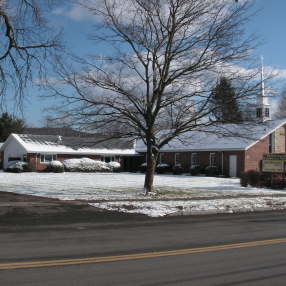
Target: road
(210, 250)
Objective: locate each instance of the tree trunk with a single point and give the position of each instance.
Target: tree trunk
(152, 155)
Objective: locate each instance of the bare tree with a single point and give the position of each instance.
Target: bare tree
(281, 109)
(155, 81)
(25, 44)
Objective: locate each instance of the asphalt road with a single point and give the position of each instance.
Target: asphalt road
(217, 263)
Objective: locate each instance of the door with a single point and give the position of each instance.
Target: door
(233, 165)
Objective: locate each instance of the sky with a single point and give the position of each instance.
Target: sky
(269, 24)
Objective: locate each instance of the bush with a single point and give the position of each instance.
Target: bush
(257, 179)
(55, 167)
(253, 178)
(243, 180)
(85, 165)
(265, 180)
(195, 170)
(178, 170)
(211, 171)
(163, 168)
(142, 167)
(114, 166)
(17, 167)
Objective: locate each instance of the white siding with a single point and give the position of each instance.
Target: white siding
(13, 149)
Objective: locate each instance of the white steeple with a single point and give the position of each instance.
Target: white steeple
(263, 106)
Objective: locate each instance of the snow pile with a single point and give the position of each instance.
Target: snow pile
(195, 207)
(85, 165)
(114, 165)
(163, 165)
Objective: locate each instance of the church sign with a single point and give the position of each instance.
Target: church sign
(273, 156)
(273, 166)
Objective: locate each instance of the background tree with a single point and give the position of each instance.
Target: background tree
(224, 102)
(26, 43)
(155, 81)
(10, 124)
(281, 105)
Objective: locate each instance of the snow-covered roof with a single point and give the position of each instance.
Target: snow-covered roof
(72, 145)
(220, 137)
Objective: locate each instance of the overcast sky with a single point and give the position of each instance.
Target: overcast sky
(269, 24)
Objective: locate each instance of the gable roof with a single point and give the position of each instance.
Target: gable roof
(62, 131)
(72, 145)
(221, 137)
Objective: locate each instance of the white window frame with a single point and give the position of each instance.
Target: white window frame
(112, 158)
(193, 163)
(213, 155)
(176, 159)
(54, 158)
(161, 156)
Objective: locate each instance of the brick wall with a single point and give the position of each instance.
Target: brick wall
(254, 155)
(36, 165)
(184, 158)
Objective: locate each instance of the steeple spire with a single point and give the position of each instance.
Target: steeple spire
(262, 77)
(263, 107)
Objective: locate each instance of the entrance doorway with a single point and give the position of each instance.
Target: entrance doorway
(233, 165)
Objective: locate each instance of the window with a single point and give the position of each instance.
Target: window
(108, 159)
(161, 158)
(177, 159)
(46, 158)
(267, 113)
(271, 145)
(195, 159)
(14, 159)
(259, 112)
(213, 159)
(24, 158)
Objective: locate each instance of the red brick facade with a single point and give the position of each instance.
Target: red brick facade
(221, 158)
(249, 159)
(35, 164)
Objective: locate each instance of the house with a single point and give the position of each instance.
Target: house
(231, 148)
(39, 150)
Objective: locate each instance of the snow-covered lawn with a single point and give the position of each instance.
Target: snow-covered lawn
(123, 191)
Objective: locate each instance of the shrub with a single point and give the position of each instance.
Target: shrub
(243, 180)
(178, 170)
(163, 168)
(265, 180)
(142, 167)
(55, 167)
(253, 178)
(17, 167)
(195, 170)
(85, 165)
(114, 166)
(277, 182)
(211, 171)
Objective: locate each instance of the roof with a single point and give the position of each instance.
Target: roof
(221, 137)
(72, 145)
(63, 131)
